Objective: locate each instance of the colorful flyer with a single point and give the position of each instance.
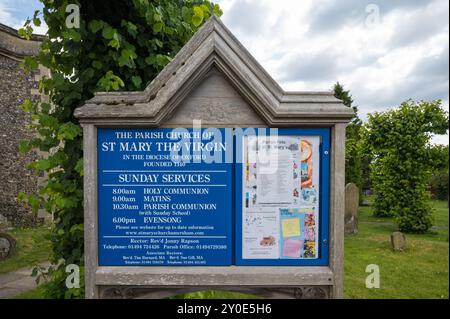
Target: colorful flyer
(281, 185)
(292, 221)
(292, 248)
(291, 227)
(260, 233)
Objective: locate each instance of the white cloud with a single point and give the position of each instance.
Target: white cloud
(6, 16)
(309, 45)
(14, 13)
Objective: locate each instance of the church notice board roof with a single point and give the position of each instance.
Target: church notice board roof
(214, 46)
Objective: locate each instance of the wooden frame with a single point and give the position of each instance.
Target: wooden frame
(215, 48)
(323, 233)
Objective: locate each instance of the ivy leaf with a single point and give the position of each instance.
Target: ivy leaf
(47, 121)
(197, 21)
(25, 146)
(127, 56)
(158, 43)
(217, 11)
(31, 200)
(205, 9)
(157, 27)
(36, 20)
(74, 35)
(97, 64)
(68, 131)
(23, 33)
(150, 60)
(137, 81)
(115, 42)
(96, 25)
(157, 17)
(79, 167)
(159, 60)
(30, 63)
(108, 32)
(131, 28)
(27, 106)
(41, 165)
(198, 17)
(198, 12)
(45, 108)
(186, 14)
(110, 81)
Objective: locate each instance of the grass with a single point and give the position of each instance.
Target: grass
(419, 272)
(36, 293)
(33, 246)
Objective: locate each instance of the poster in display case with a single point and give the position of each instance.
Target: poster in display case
(282, 198)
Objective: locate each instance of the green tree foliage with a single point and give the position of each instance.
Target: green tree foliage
(353, 170)
(438, 183)
(119, 45)
(439, 155)
(399, 141)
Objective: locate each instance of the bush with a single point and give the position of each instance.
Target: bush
(438, 185)
(118, 45)
(398, 141)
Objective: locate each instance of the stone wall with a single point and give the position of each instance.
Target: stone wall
(15, 86)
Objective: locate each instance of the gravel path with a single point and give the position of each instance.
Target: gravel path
(16, 282)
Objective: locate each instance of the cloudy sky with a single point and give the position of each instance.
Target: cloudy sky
(384, 51)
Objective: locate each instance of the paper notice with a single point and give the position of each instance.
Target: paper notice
(281, 197)
(275, 179)
(291, 227)
(260, 235)
(292, 248)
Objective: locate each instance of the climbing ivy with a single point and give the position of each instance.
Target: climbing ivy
(402, 162)
(119, 45)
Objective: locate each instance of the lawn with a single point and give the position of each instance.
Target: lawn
(33, 246)
(419, 272)
(36, 293)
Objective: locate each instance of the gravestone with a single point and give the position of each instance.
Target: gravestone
(398, 241)
(7, 245)
(351, 208)
(179, 191)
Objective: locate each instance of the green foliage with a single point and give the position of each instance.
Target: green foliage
(120, 45)
(439, 157)
(353, 153)
(438, 182)
(399, 142)
(438, 185)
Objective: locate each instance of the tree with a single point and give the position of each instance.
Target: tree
(399, 142)
(353, 173)
(438, 182)
(439, 157)
(117, 45)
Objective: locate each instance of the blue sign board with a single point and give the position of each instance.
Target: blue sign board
(164, 197)
(282, 197)
(213, 197)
